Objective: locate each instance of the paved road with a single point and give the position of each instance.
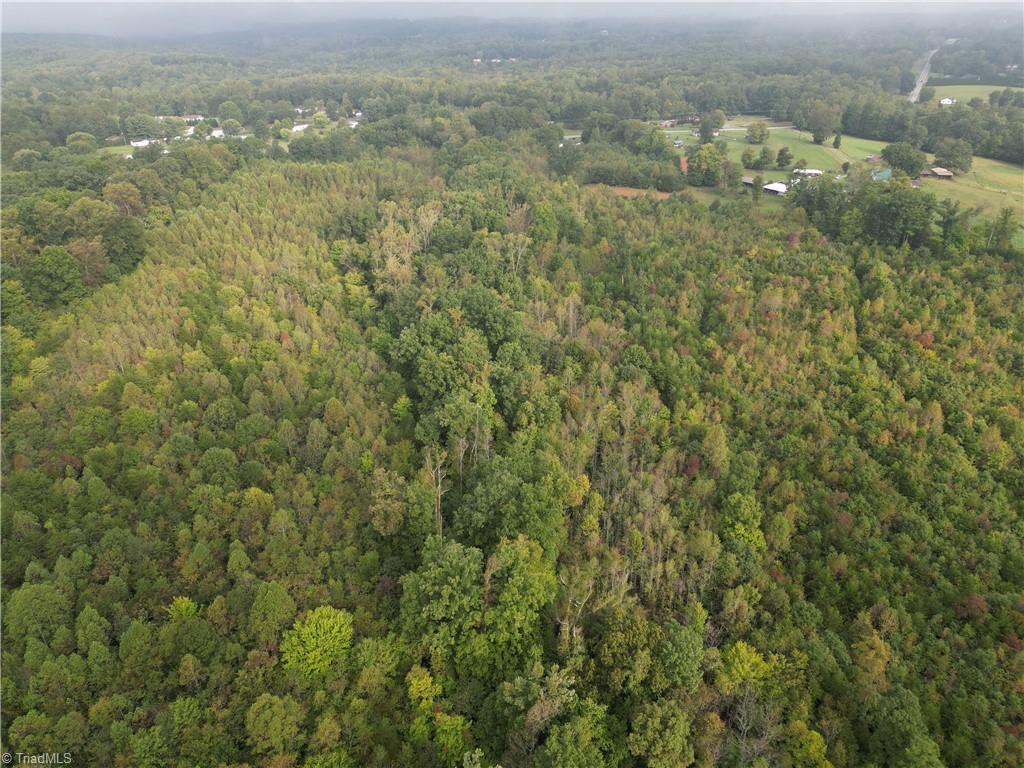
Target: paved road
(923, 77)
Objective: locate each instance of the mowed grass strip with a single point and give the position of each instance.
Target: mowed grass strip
(968, 92)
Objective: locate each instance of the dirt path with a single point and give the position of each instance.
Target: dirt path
(633, 191)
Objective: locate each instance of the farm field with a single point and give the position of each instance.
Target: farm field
(800, 144)
(990, 185)
(966, 92)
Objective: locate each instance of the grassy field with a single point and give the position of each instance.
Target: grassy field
(990, 185)
(120, 149)
(855, 149)
(966, 92)
(823, 157)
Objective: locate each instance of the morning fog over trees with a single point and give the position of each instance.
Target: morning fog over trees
(513, 386)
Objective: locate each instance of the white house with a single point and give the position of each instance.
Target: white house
(142, 142)
(947, 102)
(217, 133)
(807, 172)
(775, 188)
(300, 127)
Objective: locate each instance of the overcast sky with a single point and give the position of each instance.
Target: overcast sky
(198, 17)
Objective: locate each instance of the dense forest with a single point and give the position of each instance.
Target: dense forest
(408, 445)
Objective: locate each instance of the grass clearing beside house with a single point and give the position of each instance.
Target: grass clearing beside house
(989, 185)
(822, 156)
(996, 175)
(117, 149)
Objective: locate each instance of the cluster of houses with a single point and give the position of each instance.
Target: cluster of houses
(299, 125)
(215, 133)
(190, 122)
(493, 61)
(187, 119)
(878, 174)
(778, 188)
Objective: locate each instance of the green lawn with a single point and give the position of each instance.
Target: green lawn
(856, 149)
(966, 92)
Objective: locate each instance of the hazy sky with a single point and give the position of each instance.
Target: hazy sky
(198, 17)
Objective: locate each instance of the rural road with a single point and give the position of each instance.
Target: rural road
(923, 77)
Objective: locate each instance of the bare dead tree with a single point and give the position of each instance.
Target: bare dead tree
(436, 469)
